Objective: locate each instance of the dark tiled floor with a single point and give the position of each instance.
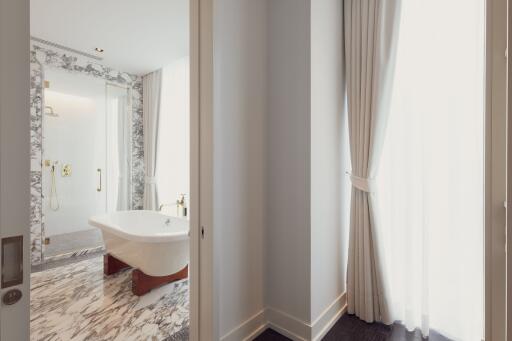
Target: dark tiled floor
(350, 328)
(270, 335)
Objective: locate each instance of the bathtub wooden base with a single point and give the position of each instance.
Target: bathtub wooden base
(111, 265)
(141, 283)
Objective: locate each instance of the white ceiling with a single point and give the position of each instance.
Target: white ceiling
(138, 36)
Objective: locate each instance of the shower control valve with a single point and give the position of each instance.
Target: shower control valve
(66, 170)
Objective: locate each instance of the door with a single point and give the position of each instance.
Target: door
(15, 157)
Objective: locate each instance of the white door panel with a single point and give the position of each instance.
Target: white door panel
(14, 154)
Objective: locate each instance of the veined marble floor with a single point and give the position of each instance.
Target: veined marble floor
(77, 302)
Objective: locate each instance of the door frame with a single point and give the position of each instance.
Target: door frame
(495, 170)
(15, 161)
(201, 168)
(508, 232)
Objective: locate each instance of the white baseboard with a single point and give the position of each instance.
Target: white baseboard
(288, 325)
(298, 330)
(328, 317)
(249, 329)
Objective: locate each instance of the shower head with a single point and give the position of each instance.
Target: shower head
(48, 110)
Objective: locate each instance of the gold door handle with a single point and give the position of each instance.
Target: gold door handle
(99, 186)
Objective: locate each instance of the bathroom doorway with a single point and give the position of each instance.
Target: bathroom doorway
(95, 154)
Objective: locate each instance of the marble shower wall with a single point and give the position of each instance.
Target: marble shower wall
(43, 57)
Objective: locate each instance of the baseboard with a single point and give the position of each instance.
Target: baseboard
(287, 325)
(328, 317)
(298, 330)
(249, 329)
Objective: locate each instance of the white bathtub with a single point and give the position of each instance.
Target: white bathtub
(152, 242)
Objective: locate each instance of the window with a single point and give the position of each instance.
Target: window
(430, 183)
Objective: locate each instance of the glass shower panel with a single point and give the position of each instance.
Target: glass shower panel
(74, 155)
(119, 152)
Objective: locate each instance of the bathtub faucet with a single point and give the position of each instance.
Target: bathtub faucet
(181, 206)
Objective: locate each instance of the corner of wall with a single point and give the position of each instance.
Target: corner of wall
(249, 329)
(288, 325)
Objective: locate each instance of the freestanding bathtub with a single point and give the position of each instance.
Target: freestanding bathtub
(152, 242)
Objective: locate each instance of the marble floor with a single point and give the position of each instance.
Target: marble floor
(66, 261)
(76, 302)
(72, 244)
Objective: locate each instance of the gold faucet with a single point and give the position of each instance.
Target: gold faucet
(180, 205)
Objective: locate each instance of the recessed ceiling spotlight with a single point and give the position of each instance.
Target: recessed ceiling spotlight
(99, 49)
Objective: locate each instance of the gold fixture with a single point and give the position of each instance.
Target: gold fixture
(46, 84)
(99, 186)
(47, 241)
(181, 206)
(54, 198)
(66, 170)
(47, 163)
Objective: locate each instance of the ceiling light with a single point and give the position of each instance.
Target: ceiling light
(99, 49)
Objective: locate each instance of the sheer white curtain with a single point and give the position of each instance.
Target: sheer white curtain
(151, 90)
(430, 180)
(172, 170)
(118, 148)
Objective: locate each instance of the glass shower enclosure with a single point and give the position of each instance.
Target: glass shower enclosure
(86, 159)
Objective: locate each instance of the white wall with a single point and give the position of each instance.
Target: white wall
(287, 241)
(278, 166)
(239, 160)
(329, 186)
(306, 187)
(173, 162)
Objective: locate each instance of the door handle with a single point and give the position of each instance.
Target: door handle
(12, 261)
(99, 185)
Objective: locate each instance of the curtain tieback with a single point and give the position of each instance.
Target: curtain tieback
(363, 184)
(150, 179)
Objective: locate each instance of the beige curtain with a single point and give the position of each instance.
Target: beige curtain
(371, 29)
(151, 88)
